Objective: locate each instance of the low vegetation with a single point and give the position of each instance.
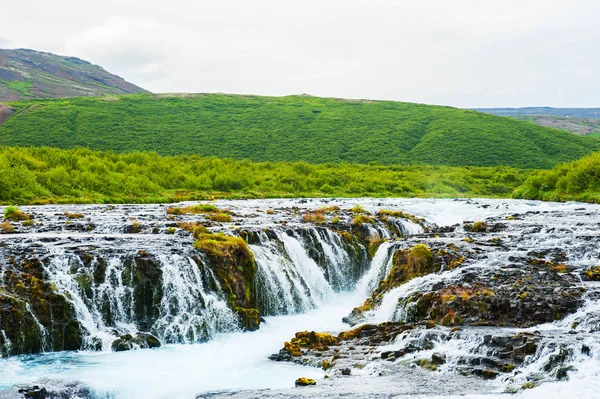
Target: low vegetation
(48, 175)
(576, 181)
(198, 209)
(221, 245)
(15, 214)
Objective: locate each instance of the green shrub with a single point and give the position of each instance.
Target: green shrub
(14, 213)
(46, 175)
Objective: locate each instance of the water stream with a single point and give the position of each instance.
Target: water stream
(308, 278)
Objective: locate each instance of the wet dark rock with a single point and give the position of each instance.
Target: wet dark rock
(558, 359)
(26, 300)
(34, 392)
(140, 341)
(592, 274)
(438, 358)
(407, 264)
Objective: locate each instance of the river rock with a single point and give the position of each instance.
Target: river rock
(140, 341)
(303, 381)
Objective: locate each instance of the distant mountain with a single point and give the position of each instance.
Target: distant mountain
(581, 121)
(293, 128)
(564, 112)
(28, 74)
(579, 126)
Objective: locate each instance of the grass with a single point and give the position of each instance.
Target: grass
(291, 129)
(574, 181)
(221, 245)
(220, 217)
(6, 227)
(15, 214)
(49, 175)
(22, 87)
(195, 209)
(359, 220)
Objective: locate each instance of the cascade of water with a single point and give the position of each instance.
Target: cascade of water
(312, 274)
(337, 260)
(188, 312)
(389, 310)
(41, 328)
(90, 318)
(379, 268)
(113, 296)
(289, 280)
(7, 343)
(280, 287)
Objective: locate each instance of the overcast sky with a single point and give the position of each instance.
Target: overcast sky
(466, 53)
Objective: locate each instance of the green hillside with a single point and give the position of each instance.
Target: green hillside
(28, 74)
(295, 128)
(573, 181)
(41, 175)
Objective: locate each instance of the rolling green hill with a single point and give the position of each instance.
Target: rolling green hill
(28, 74)
(295, 128)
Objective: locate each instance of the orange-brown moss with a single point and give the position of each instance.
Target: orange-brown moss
(6, 227)
(593, 273)
(359, 220)
(195, 209)
(220, 217)
(479, 227)
(70, 215)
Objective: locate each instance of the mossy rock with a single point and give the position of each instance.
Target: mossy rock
(303, 381)
(28, 299)
(233, 263)
(592, 274)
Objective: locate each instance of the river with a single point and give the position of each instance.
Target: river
(307, 278)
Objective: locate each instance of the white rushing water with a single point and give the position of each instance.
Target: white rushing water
(230, 361)
(296, 291)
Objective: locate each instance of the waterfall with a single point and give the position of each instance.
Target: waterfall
(43, 331)
(176, 296)
(188, 311)
(289, 281)
(185, 312)
(316, 284)
(380, 267)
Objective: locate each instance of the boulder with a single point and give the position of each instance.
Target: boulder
(140, 341)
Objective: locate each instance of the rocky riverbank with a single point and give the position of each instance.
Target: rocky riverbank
(482, 297)
(84, 277)
(482, 288)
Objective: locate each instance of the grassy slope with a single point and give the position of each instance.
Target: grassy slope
(579, 181)
(41, 175)
(297, 128)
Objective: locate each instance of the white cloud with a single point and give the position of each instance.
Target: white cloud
(137, 46)
(4, 42)
(463, 53)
